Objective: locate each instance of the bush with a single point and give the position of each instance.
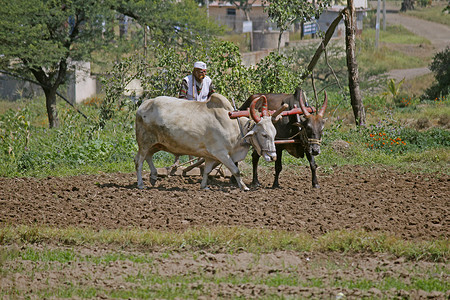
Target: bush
(440, 67)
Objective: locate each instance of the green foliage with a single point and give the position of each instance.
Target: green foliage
(284, 13)
(27, 149)
(162, 73)
(393, 88)
(441, 70)
(44, 33)
(391, 137)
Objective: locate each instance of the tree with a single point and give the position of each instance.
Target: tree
(439, 66)
(407, 5)
(41, 38)
(284, 13)
(352, 66)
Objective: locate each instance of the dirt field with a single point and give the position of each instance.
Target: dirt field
(412, 206)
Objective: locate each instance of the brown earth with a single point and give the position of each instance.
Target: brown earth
(413, 206)
(408, 205)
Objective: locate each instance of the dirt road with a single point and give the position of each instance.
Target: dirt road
(437, 34)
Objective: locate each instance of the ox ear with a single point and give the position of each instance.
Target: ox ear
(249, 134)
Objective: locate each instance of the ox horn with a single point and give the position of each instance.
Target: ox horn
(302, 105)
(276, 115)
(255, 116)
(264, 108)
(324, 105)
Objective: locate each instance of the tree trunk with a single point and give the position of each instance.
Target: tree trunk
(50, 101)
(50, 89)
(323, 45)
(353, 77)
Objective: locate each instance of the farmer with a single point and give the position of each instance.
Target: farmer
(197, 86)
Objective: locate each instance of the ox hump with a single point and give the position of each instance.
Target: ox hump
(219, 101)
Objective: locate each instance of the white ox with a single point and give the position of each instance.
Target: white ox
(202, 129)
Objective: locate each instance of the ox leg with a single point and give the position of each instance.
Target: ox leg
(138, 162)
(230, 164)
(255, 160)
(153, 170)
(209, 166)
(313, 166)
(278, 168)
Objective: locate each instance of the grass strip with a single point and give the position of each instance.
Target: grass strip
(232, 239)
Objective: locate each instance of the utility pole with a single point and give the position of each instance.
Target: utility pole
(207, 8)
(377, 25)
(384, 15)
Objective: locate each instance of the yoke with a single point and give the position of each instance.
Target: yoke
(295, 111)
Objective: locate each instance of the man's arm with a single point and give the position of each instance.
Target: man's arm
(183, 90)
(212, 89)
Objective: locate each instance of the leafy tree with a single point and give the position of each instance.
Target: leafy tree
(41, 38)
(440, 67)
(284, 13)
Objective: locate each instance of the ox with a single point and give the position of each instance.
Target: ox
(306, 131)
(202, 129)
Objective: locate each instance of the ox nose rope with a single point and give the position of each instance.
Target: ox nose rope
(315, 141)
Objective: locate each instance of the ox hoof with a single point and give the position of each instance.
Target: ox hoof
(245, 188)
(255, 184)
(316, 186)
(153, 181)
(142, 187)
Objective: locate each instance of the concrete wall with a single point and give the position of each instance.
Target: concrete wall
(82, 84)
(13, 89)
(269, 40)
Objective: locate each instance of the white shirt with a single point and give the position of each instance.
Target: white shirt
(192, 92)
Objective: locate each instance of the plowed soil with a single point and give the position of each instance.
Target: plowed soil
(411, 206)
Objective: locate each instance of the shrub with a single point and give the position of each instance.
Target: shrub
(440, 67)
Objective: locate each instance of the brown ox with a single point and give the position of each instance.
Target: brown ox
(306, 130)
(201, 129)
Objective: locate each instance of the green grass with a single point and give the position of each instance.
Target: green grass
(431, 13)
(395, 34)
(377, 61)
(228, 239)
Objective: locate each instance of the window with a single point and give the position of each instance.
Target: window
(231, 11)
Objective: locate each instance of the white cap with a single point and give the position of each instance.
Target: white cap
(200, 65)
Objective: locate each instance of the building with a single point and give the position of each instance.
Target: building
(257, 21)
